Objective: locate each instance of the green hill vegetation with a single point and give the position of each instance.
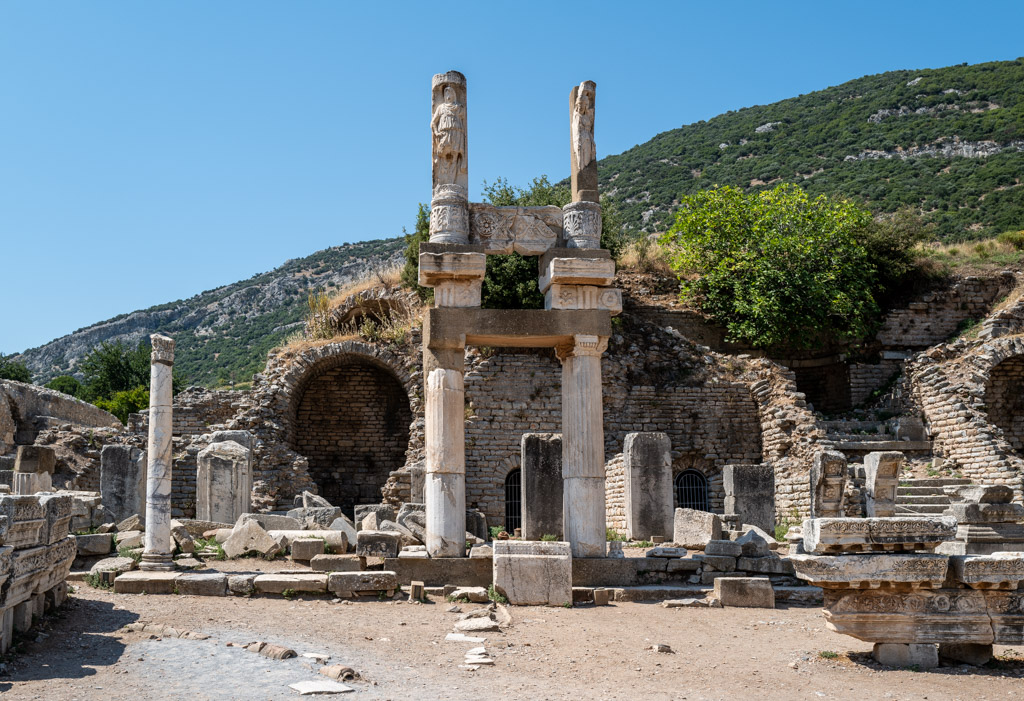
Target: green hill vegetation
(947, 142)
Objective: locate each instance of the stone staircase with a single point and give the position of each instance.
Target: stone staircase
(924, 496)
(856, 438)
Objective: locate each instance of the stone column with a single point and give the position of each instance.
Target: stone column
(444, 483)
(157, 555)
(583, 507)
(449, 204)
(582, 216)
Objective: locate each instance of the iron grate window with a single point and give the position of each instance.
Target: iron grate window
(691, 491)
(513, 501)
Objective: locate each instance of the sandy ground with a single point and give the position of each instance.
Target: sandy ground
(400, 651)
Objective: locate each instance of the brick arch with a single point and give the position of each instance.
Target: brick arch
(347, 409)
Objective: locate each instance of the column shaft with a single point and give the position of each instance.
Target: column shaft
(157, 554)
(444, 486)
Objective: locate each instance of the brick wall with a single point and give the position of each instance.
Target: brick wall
(1004, 398)
(865, 378)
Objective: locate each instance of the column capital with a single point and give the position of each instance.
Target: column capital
(582, 345)
(163, 350)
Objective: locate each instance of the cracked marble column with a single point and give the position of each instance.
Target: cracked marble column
(444, 484)
(583, 498)
(157, 554)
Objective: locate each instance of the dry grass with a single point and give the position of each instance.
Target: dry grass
(644, 255)
(987, 255)
(297, 342)
(386, 276)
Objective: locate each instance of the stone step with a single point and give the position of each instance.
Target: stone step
(922, 509)
(859, 437)
(872, 446)
(934, 482)
(917, 499)
(919, 491)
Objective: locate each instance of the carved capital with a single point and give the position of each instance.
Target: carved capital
(163, 350)
(582, 345)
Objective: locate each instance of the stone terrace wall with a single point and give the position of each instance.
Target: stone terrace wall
(615, 492)
(21, 405)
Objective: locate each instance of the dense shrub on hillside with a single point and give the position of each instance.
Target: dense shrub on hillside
(66, 384)
(776, 268)
(10, 370)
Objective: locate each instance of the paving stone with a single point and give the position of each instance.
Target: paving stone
(242, 584)
(279, 582)
(349, 583)
(335, 563)
(143, 582)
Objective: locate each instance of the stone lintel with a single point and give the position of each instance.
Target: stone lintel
(451, 248)
(583, 297)
(577, 271)
(454, 328)
(439, 267)
(545, 260)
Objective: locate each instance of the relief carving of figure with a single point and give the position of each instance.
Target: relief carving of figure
(583, 125)
(448, 126)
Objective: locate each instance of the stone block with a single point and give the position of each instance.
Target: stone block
(919, 656)
(695, 529)
(123, 481)
(825, 535)
(56, 596)
(753, 544)
(871, 569)
(310, 500)
(881, 478)
(249, 537)
(541, 461)
(384, 512)
(980, 493)
(117, 565)
(648, 482)
(57, 510)
(476, 523)
(128, 539)
(533, 572)
(377, 544)
(684, 565)
(975, 654)
(242, 584)
(769, 564)
(413, 518)
(828, 483)
(198, 529)
(745, 592)
(275, 522)
(723, 547)
(974, 513)
(343, 524)
(6, 629)
(354, 583)
(146, 582)
(212, 584)
(920, 615)
(316, 517)
(306, 548)
(132, 523)
(574, 297)
(1004, 570)
(35, 458)
(750, 494)
(181, 537)
(717, 563)
(23, 613)
(223, 482)
(279, 582)
(440, 571)
(26, 521)
(666, 551)
(406, 537)
(94, 544)
(334, 541)
(475, 595)
(577, 271)
(335, 563)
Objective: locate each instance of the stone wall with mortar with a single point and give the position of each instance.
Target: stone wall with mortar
(865, 378)
(1004, 400)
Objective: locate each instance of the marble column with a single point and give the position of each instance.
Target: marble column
(449, 204)
(582, 216)
(583, 499)
(157, 555)
(444, 483)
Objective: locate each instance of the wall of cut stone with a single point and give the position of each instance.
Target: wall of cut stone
(865, 378)
(1004, 399)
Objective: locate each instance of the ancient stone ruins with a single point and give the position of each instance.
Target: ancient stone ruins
(510, 453)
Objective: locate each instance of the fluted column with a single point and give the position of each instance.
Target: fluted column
(157, 555)
(583, 498)
(444, 485)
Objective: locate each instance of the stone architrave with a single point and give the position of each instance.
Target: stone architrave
(648, 463)
(157, 553)
(223, 482)
(123, 481)
(881, 478)
(541, 461)
(583, 496)
(583, 152)
(583, 297)
(445, 479)
(529, 231)
(532, 573)
(750, 494)
(449, 210)
(828, 483)
(855, 535)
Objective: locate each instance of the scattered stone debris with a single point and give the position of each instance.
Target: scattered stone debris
(339, 671)
(165, 631)
(320, 687)
(274, 652)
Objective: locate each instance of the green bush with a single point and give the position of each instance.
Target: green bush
(549, 537)
(123, 403)
(66, 384)
(1013, 238)
(776, 268)
(10, 370)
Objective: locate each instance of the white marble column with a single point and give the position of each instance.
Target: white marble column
(583, 501)
(444, 485)
(157, 555)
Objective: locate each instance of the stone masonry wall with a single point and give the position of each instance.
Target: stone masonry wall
(865, 378)
(1004, 398)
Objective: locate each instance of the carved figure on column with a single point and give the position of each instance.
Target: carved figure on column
(449, 207)
(448, 126)
(583, 166)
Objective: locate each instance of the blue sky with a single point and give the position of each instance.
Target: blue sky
(153, 150)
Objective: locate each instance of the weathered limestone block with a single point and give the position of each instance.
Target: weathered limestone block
(648, 464)
(902, 655)
(143, 582)
(455, 277)
(31, 482)
(882, 473)
(335, 563)
(123, 481)
(768, 564)
(1003, 570)
(384, 512)
(223, 482)
(745, 592)
(306, 548)
(871, 569)
(335, 540)
(533, 573)
(406, 537)
(909, 617)
(980, 493)
(94, 544)
(182, 537)
(377, 544)
(317, 517)
(750, 494)
(355, 583)
(273, 521)
(413, 518)
(57, 508)
(26, 520)
(727, 548)
(694, 529)
(541, 464)
(279, 582)
(35, 458)
(577, 271)
(203, 584)
(754, 544)
(559, 296)
(476, 524)
(113, 564)
(28, 570)
(529, 231)
(828, 483)
(832, 535)
(965, 653)
(250, 537)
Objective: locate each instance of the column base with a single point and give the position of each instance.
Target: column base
(157, 562)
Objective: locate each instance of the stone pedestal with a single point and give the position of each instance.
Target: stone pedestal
(157, 554)
(444, 484)
(828, 483)
(881, 478)
(223, 482)
(648, 462)
(583, 496)
(123, 481)
(541, 456)
(531, 573)
(750, 495)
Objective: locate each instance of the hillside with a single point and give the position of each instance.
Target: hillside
(223, 335)
(948, 142)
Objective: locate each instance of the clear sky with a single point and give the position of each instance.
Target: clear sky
(153, 150)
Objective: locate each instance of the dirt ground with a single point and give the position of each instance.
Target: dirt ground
(400, 651)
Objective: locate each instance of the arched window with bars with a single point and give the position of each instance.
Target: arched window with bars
(513, 501)
(691, 491)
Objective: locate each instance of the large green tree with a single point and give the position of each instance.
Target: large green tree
(10, 370)
(776, 268)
